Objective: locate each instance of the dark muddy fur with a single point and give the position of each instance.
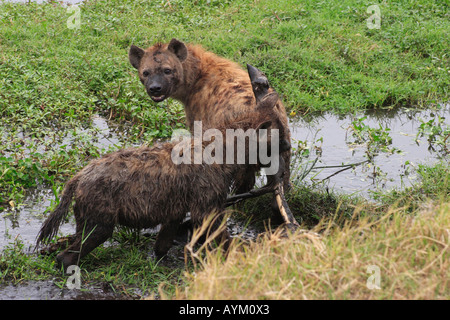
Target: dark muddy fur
(142, 187)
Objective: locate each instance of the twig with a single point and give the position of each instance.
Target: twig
(305, 172)
(277, 16)
(339, 171)
(231, 200)
(343, 165)
(279, 196)
(283, 206)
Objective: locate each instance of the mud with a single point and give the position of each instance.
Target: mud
(48, 290)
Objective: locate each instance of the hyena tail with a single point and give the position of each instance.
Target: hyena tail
(51, 225)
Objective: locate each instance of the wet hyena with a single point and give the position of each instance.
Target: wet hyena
(212, 89)
(143, 187)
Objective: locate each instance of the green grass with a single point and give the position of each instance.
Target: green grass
(320, 56)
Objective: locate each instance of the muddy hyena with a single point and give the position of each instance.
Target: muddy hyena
(143, 187)
(212, 89)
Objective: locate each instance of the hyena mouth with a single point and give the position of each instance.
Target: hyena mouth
(158, 98)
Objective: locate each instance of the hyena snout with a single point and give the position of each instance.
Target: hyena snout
(157, 88)
(285, 145)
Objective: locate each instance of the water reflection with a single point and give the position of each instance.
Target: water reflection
(24, 222)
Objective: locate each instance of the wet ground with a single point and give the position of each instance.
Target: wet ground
(328, 141)
(48, 290)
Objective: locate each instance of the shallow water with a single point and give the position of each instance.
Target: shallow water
(334, 149)
(327, 133)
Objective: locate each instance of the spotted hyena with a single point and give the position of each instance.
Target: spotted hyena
(143, 187)
(212, 89)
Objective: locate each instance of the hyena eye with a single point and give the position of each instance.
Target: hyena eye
(167, 71)
(145, 73)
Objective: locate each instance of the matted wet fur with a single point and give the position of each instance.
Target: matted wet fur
(212, 89)
(143, 187)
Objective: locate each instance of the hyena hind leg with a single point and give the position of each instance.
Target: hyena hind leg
(85, 241)
(165, 238)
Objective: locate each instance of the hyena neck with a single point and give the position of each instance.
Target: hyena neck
(191, 74)
(207, 83)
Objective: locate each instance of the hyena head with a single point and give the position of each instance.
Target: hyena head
(160, 67)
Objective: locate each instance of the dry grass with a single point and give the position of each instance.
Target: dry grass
(411, 251)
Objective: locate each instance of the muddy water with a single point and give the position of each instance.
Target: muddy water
(327, 138)
(23, 224)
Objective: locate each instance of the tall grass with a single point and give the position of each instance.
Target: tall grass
(410, 255)
(345, 245)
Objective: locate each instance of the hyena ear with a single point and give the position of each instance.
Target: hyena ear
(179, 49)
(260, 84)
(268, 102)
(135, 55)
